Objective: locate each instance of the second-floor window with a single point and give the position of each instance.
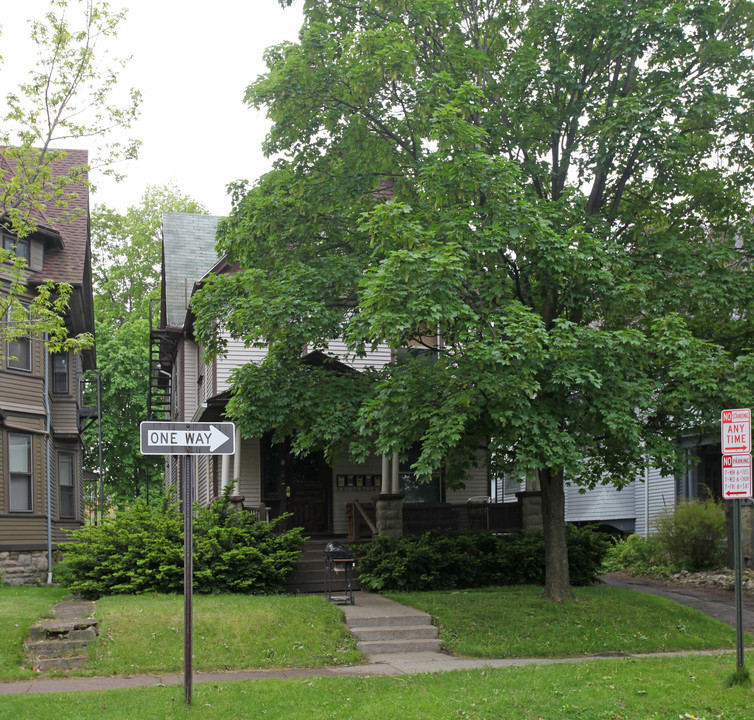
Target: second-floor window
(19, 351)
(19, 466)
(20, 248)
(60, 373)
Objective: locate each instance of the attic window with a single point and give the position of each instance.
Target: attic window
(20, 248)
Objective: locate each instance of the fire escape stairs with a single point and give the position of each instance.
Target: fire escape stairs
(163, 348)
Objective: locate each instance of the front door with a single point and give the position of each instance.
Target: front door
(298, 485)
(309, 479)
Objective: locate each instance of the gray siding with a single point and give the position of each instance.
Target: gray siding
(657, 494)
(605, 502)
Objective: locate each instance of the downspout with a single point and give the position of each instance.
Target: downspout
(646, 496)
(48, 468)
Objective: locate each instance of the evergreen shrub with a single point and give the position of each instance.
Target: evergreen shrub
(435, 561)
(140, 550)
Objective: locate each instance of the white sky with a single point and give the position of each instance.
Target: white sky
(192, 60)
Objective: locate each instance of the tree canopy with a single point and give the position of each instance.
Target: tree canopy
(126, 275)
(70, 96)
(557, 190)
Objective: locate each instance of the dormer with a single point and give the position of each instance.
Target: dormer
(33, 247)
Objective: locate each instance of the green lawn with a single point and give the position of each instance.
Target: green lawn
(618, 689)
(144, 633)
(516, 622)
(19, 608)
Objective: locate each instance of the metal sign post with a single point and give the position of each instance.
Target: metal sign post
(735, 439)
(738, 562)
(188, 579)
(187, 439)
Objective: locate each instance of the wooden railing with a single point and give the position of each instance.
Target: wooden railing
(362, 513)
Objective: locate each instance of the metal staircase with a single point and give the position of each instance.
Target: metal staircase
(163, 348)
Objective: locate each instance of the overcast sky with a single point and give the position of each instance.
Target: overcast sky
(192, 60)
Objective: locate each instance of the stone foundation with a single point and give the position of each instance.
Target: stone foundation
(23, 568)
(389, 511)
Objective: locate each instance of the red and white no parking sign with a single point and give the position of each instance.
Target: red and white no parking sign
(735, 438)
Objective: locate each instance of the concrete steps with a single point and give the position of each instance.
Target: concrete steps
(60, 642)
(385, 627)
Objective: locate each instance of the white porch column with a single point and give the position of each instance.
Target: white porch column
(225, 472)
(386, 483)
(396, 485)
(237, 461)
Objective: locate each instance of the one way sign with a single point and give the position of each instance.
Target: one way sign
(174, 438)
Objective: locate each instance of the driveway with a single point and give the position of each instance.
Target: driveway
(720, 604)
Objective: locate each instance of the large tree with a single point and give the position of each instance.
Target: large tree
(126, 258)
(558, 190)
(70, 96)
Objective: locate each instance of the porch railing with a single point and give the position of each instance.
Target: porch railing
(470, 518)
(455, 518)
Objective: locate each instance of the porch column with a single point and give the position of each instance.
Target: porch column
(225, 473)
(389, 505)
(237, 460)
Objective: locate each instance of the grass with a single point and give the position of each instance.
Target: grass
(19, 608)
(516, 622)
(616, 689)
(144, 633)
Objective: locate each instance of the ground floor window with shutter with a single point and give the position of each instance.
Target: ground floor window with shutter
(19, 465)
(66, 485)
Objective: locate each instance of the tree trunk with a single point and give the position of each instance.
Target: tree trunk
(557, 579)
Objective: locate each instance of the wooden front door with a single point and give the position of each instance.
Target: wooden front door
(301, 486)
(309, 481)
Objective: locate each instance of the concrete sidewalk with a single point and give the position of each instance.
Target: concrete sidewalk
(378, 665)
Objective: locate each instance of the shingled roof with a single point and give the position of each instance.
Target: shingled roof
(188, 247)
(66, 229)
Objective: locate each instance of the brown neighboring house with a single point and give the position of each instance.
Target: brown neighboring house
(41, 448)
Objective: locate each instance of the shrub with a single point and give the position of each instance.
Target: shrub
(141, 550)
(637, 555)
(692, 535)
(434, 561)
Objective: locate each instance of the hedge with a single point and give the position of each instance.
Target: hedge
(434, 561)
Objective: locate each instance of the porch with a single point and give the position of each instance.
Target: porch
(446, 517)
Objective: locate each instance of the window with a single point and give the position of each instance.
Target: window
(414, 490)
(20, 248)
(19, 454)
(60, 373)
(66, 485)
(19, 350)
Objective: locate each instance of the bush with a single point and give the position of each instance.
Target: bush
(692, 535)
(637, 555)
(434, 561)
(141, 550)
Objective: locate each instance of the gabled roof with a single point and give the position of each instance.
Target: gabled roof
(65, 230)
(188, 253)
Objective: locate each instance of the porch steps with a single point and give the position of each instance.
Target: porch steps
(384, 627)
(60, 642)
(308, 575)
